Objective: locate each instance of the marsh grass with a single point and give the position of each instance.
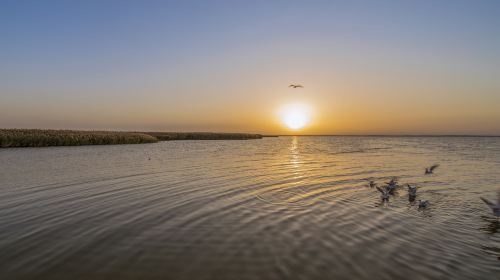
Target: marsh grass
(43, 138)
(170, 136)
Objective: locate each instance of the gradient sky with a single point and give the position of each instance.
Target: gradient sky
(368, 67)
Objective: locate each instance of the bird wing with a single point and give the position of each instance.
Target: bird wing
(433, 167)
(380, 190)
(291, 85)
(487, 201)
(394, 180)
(301, 86)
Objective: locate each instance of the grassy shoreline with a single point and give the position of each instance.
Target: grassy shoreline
(12, 138)
(171, 136)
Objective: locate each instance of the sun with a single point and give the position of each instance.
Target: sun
(295, 116)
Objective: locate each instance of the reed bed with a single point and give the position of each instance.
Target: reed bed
(170, 136)
(43, 138)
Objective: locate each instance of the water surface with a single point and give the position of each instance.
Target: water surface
(275, 208)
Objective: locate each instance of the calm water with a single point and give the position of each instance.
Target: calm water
(276, 208)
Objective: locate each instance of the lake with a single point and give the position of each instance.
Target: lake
(275, 208)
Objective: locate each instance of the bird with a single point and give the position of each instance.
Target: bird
(385, 193)
(495, 207)
(295, 86)
(430, 170)
(412, 190)
(372, 184)
(391, 189)
(391, 185)
(393, 181)
(422, 203)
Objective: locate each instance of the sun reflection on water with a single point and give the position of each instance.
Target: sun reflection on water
(295, 152)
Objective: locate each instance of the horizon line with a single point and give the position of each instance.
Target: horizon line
(276, 135)
(389, 135)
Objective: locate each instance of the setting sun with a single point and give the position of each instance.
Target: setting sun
(295, 116)
(257, 140)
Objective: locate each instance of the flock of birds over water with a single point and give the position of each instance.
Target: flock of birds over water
(391, 186)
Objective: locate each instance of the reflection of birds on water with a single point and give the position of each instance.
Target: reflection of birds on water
(492, 251)
(423, 203)
(492, 226)
(385, 193)
(295, 86)
(430, 170)
(495, 207)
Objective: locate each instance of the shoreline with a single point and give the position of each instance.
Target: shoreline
(20, 138)
(385, 135)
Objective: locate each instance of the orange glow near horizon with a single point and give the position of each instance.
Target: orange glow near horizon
(377, 68)
(295, 115)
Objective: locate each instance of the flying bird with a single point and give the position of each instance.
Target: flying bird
(391, 185)
(385, 193)
(295, 86)
(393, 181)
(430, 170)
(495, 207)
(391, 189)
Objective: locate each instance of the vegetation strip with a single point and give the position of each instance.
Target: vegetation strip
(168, 136)
(43, 138)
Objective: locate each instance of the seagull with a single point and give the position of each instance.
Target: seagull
(385, 193)
(391, 185)
(393, 181)
(391, 189)
(412, 190)
(295, 86)
(495, 207)
(372, 184)
(431, 169)
(422, 203)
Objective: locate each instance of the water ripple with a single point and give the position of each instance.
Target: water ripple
(276, 208)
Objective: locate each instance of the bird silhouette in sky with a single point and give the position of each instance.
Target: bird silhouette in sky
(295, 86)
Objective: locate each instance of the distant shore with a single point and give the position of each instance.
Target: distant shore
(386, 135)
(170, 136)
(11, 138)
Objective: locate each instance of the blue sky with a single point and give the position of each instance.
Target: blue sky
(207, 65)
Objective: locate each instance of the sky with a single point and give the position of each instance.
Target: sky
(367, 67)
